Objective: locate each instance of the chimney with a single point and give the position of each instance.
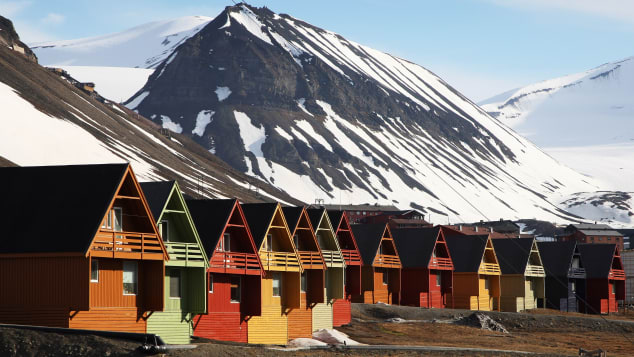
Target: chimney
(491, 228)
(476, 229)
(460, 228)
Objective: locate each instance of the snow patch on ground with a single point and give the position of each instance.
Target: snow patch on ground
(305, 342)
(308, 129)
(202, 120)
(283, 133)
(334, 337)
(300, 104)
(223, 93)
(170, 125)
(252, 136)
(137, 100)
(250, 21)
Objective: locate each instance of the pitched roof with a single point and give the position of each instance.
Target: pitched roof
(368, 238)
(466, 251)
(513, 254)
(335, 218)
(292, 215)
(556, 256)
(600, 232)
(597, 259)
(259, 216)
(40, 198)
(315, 215)
(589, 226)
(363, 207)
(157, 193)
(210, 218)
(415, 245)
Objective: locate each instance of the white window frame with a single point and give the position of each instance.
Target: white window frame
(276, 276)
(269, 242)
(94, 265)
(239, 290)
(210, 281)
(164, 228)
(114, 220)
(136, 276)
(180, 284)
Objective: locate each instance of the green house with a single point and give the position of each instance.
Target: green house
(185, 272)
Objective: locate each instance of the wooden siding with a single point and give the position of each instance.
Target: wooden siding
(223, 326)
(469, 292)
(43, 316)
(109, 319)
(341, 312)
(173, 326)
(322, 316)
(271, 327)
(300, 320)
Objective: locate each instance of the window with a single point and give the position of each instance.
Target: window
(296, 241)
(386, 278)
(613, 288)
(225, 243)
(320, 240)
(617, 239)
(107, 223)
(269, 242)
(130, 278)
(175, 283)
(277, 284)
(575, 262)
(211, 283)
(303, 282)
(380, 248)
(600, 239)
(433, 253)
(573, 286)
(486, 283)
(94, 270)
(235, 289)
(117, 216)
(164, 230)
(438, 279)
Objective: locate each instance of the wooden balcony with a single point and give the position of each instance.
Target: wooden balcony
(440, 263)
(311, 260)
(616, 274)
(234, 263)
(333, 258)
(577, 273)
(535, 270)
(184, 254)
(279, 261)
(488, 268)
(387, 261)
(127, 245)
(351, 256)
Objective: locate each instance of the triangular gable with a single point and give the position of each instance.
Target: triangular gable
(324, 225)
(441, 247)
(489, 257)
(387, 246)
(617, 263)
(130, 190)
(308, 249)
(344, 225)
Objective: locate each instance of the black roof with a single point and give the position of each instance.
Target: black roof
(259, 216)
(556, 256)
(368, 238)
(512, 254)
(415, 245)
(37, 200)
(597, 259)
(315, 215)
(157, 194)
(210, 218)
(335, 218)
(292, 215)
(466, 251)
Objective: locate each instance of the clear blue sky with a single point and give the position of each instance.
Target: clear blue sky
(481, 47)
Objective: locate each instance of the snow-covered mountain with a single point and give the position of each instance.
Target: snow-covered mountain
(322, 117)
(44, 120)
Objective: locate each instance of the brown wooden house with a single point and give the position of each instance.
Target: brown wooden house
(79, 248)
(381, 271)
(235, 273)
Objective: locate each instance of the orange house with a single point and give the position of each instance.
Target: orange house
(79, 249)
(381, 271)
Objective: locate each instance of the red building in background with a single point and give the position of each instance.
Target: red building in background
(593, 234)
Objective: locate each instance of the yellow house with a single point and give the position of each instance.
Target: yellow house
(523, 275)
(335, 268)
(476, 277)
(281, 284)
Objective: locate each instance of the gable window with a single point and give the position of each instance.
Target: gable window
(94, 270)
(107, 223)
(296, 241)
(433, 253)
(381, 248)
(575, 262)
(438, 279)
(175, 283)
(277, 284)
(303, 282)
(117, 219)
(164, 230)
(269, 242)
(211, 283)
(320, 240)
(225, 243)
(235, 289)
(130, 277)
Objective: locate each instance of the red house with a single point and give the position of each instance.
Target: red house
(427, 275)
(605, 277)
(234, 274)
(341, 308)
(592, 233)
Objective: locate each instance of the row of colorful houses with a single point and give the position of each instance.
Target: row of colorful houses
(90, 247)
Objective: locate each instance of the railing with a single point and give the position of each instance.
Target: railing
(126, 244)
(616, 274)
(310, 259)
(351, 256)
(438, 262)
(278, 260)
(185, 252)
(230, 262)
(577, 273)
(535, 270)
(332, 257)
(385, 260)
(488, 268)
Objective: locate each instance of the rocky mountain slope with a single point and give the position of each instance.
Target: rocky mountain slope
(322, 117)
(44, 120)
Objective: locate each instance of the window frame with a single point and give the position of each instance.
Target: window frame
(239, 289)
(269, 242)
(164, 228)
(136, 277)
(114, 220)
(303, 282)
(487, 283)
(385, 279)
(277, 276)
(438, 279)
(180, 284)
(210, 283)
(94, 266)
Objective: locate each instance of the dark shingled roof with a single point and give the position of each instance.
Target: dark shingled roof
(36, 200)
(315, 215)
(210, 218)
(466, 251)
(597, 259)
(512, 254)
(415, 245)
(335, 218)
(292, 215)
(368, 238)
(157, 194)
(259, 216)
(556, 257)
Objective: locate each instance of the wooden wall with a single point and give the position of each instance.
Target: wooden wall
(123, 319)
(414, 284)
(300, 320)
(341, 312)
(272, 326)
